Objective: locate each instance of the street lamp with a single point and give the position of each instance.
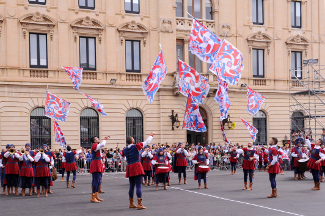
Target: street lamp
(228, 121)
(174, 119)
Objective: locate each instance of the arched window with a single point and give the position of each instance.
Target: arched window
(196, 8)
(297, 121)
(259, 122)
(134, 125)
(40, 128)
(89, 127)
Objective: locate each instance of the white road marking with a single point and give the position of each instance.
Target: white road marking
(246, 203)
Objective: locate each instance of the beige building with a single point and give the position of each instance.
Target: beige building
(117, 41)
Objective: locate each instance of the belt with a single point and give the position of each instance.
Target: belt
(42, 166)
(27, 167)
(12, 162)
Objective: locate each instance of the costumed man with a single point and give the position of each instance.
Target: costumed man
(233, 160)
(297, 154)
(154, 152)
(250, 154)
(317, 156)
(27, 171)
(63, 163)
(160, 161)
(96, 167)
(42, 171)
(134, 170)
(200, 172)
(146, 157)
(281, 153)
(12, 169)
(32, 154)
(181, 162)
(103, 156)
(166, 153)
(265, 158)
(260, 159)
(274, 167)
(51, 165)
(3, 167)
(71, 165)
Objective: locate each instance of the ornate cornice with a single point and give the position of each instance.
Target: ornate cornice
(260, 37)
(87, 25)
(298, 40)
(133, 26)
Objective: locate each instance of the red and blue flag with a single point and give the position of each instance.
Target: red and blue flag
(59, 137)
(156, 76)
(223, 133)
(254, 101)
(191, 82)
(193, 120)
(228, 64)
(223, 99)
(56, 107)
(252, 130)
(75, 75)
(98, 106)
(203, 43)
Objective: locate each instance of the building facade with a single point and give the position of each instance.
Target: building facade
(117, 41)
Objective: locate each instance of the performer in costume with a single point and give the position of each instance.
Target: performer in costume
(134, 170)
(27, 171)
(154, 152)
(63, 163)
(181, 162)
(3, 166)
(281, 153)
(260, 160)
(201, 158)
(71, 165)
(317, 156)
(32, 154)
(274, 166)
(166, 153)
(160, 160)
(265, 159)
(248, 164)
(233, 160)
(146, 157)
(12, 169)
(297, 154)
(51, 165)
(96, 167)
(42, 171)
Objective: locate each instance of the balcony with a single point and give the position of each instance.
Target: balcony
(185, 24)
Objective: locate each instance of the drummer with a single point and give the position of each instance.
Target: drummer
(201, 158)
(315, 162)
(160, 161)
(297, 154)
(166, 153)
(233, 160)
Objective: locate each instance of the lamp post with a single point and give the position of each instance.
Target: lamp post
(174, 119)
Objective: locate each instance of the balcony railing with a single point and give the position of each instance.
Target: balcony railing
(185, 24)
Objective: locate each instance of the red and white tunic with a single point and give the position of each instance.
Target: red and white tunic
(42, 168)
(297, 154)
(146, 160)
(96, 164)
(12, 166)
(273, 160)
(26, 165)
(265, 156)
(316, 153)
(233, 157)
(181, 155)
(248, 153)
(63, 161)
(161, 160)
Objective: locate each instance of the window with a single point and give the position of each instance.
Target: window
(132, 6)
(87, 4)
(258, 63)
(259, 122)
(296, 14)
(208, 9)
(179, 51)
(40, 128)
(257, 12)
(132, 56)
(179, 9)
(194, 8)
(195, 62)
(38, 50)
(87, 50)
(297, 121)
(296, 64)
(89, 127)
(134, 125)
(43, 2)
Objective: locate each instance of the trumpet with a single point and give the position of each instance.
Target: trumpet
(12, 151)
(41, 151)
(23, 151)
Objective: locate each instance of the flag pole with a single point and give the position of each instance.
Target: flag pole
(160, 46)
(190, 15)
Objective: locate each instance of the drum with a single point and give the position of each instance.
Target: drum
(203, 169)
(162, 169)
(303, 165)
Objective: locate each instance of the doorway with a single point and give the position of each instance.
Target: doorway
(199, 137)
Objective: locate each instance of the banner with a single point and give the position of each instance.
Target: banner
(98, 106)
(192, 119)
(75, 75)
(59, 138)
(223, 99)
(56, 107)
(252, 130)
(254, 101)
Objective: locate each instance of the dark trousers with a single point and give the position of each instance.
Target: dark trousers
(202, 176)
(265, 164)
(26, 182)
(233, 166)
(250, 172)
(272, 180)
(96, 181)
(12, 180)
(147, 174)
(44, 181)
(322, 171)
(260, 165)
(161, 178)
(74, 175)
(297, 171)
(181, 169)
(63, 170)
(315, 174)
(135, 181)
(3, 177)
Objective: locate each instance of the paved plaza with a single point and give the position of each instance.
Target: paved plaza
(224, 197)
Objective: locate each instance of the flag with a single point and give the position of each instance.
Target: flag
(56, 107)
(203, 43)
(156, 76)
(75, 75)
(252, 130)
(98, 106)
(228, 63)
(191, 82)
(254, 101)
(193, 120)
(223, 99)
(223, 133)
(59, 138)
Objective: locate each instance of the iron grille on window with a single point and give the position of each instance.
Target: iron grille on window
(297, 121)
(89, 127)
(40, 128)
(259, 122)
(134, 125)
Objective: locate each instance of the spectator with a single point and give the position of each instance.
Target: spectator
(123, 163)
(116, 157)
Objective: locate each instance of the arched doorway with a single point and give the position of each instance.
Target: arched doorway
(197, 137)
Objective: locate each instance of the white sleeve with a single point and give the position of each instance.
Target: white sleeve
(17, 155)
(207, 161)
(178, 150)
(148, 140)
(144, 154)
(294, 154)
(206, 151)
(46, 158)
(308, 143)
(79, 151)
(304, 155)
(99, 146)
(1, 163)
(240, 151)
(61, 153)
(21, 158)
(150, 155)
(37, 157)
(274, 160)
(321, 155)
(168, 155)
(30, 158)
(186, 153)
(256, 156)
(153, 162)
(194, 161)
(6, 155)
